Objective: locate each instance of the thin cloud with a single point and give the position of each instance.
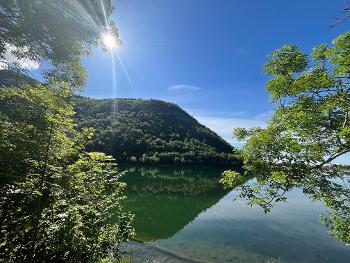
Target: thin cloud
(183, 87)
(224, 126)
(11, 59)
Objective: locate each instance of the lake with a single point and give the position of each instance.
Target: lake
(187, 214)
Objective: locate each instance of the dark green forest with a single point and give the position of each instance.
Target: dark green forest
(151, 131)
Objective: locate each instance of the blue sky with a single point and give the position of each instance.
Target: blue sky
(207, 56)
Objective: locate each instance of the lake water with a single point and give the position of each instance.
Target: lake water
(187, 212)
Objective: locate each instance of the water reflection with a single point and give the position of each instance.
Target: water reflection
(165, 199)
(186, 211)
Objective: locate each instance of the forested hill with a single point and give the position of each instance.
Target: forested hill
(150, 131)
(9, 78)
(144, 131)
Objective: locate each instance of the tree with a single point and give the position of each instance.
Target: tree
(309, 129)
(57, 203)
(56, 33)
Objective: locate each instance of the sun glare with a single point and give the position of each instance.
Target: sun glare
(109, 40)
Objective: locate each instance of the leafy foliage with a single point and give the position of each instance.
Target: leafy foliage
(55, 32)
(151, 131)
(57, 203)
(309, 129)
(56, 200)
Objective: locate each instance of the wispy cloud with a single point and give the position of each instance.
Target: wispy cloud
(183, 87)
(11, 59)
(224, 126)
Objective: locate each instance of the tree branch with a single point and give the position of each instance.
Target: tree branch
(332, 158)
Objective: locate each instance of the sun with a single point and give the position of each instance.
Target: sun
(109, 40)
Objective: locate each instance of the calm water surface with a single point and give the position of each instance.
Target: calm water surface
(186, 211)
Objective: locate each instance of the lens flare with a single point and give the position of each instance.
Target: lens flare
(109, 40)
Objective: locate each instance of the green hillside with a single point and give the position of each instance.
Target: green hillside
(144, 131)
(151, 131)
(9, 78)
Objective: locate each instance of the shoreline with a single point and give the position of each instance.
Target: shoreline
(141, 252)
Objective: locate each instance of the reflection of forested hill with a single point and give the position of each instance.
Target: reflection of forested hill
(151, 131)
(166, 199)
(181, 181)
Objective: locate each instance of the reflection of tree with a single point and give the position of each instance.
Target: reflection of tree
(335, 194)
(166, 199)
(329, 185)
